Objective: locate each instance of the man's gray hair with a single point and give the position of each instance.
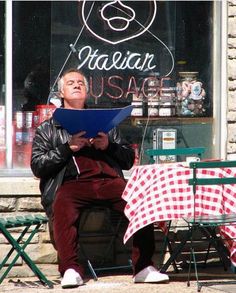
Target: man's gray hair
(61, 81)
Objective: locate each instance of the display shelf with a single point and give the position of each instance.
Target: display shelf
(139, 121)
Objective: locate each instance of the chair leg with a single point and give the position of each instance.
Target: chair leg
(167, 244)
(176, 252)
(216, 241)
(195, 269)
(193, 258)
(189, 268)
(25, 257)
(207, 254)
(171, 251)
(95, 277)
(12, 249)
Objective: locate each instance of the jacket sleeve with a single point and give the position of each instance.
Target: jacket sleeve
(120, 150)
(48, 158)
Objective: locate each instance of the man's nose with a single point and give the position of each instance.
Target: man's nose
(77, 85)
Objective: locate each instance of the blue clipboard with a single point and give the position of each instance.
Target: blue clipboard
(91, 120)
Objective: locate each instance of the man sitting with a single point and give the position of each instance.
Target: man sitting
(74, 172)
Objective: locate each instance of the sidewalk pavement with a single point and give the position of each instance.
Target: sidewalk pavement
(213, 279)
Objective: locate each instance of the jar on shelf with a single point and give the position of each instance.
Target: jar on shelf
(137, 110)
(153, 108)
(190, 95)
(166, 110)
(167, 99)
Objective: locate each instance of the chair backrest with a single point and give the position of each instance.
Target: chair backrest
(152, 153)
(195, 180)
(211, 181)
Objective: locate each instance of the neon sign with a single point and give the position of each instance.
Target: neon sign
(117, 60)
(110, 20)
(126, 17)
(123, 25)
(110, 87)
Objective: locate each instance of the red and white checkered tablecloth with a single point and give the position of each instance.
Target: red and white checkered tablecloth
(156, 193)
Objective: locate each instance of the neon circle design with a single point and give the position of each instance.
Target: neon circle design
(123, 39)
(108, 20)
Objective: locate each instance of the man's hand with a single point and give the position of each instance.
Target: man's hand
(100, 142)
(77, 141)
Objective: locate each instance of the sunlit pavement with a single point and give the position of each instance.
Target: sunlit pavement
(212, 279)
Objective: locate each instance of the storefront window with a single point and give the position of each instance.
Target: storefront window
(156, 55)
(2, 86)
(31, 73)
(164, 38)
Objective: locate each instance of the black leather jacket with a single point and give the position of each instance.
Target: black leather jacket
(51, 155)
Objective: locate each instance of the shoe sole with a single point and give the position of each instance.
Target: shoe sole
(66, 286)
(145, 281)
(69, 286)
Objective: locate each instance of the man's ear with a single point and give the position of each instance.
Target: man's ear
(60, 94)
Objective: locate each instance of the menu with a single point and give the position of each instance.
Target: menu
(91, 120)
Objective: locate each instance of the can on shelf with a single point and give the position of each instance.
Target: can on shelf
(137, 109)
(167, 110)
(2, 156)
(136, 153)
(153, 108)
(28, 119)
(45, 112)
(19, 118)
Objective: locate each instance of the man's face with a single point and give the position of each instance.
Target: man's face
(73, 90)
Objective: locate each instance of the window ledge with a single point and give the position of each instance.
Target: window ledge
(19, 186)
(27, 185)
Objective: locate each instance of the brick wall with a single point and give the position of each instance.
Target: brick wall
(20, 196)
(231, 113)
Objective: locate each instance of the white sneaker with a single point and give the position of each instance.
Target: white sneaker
(71, 279)
(150, 275)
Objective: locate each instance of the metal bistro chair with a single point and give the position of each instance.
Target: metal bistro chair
(183, 152)
(208, 225)
(101, 223)
(31, 225)
(177, 154)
